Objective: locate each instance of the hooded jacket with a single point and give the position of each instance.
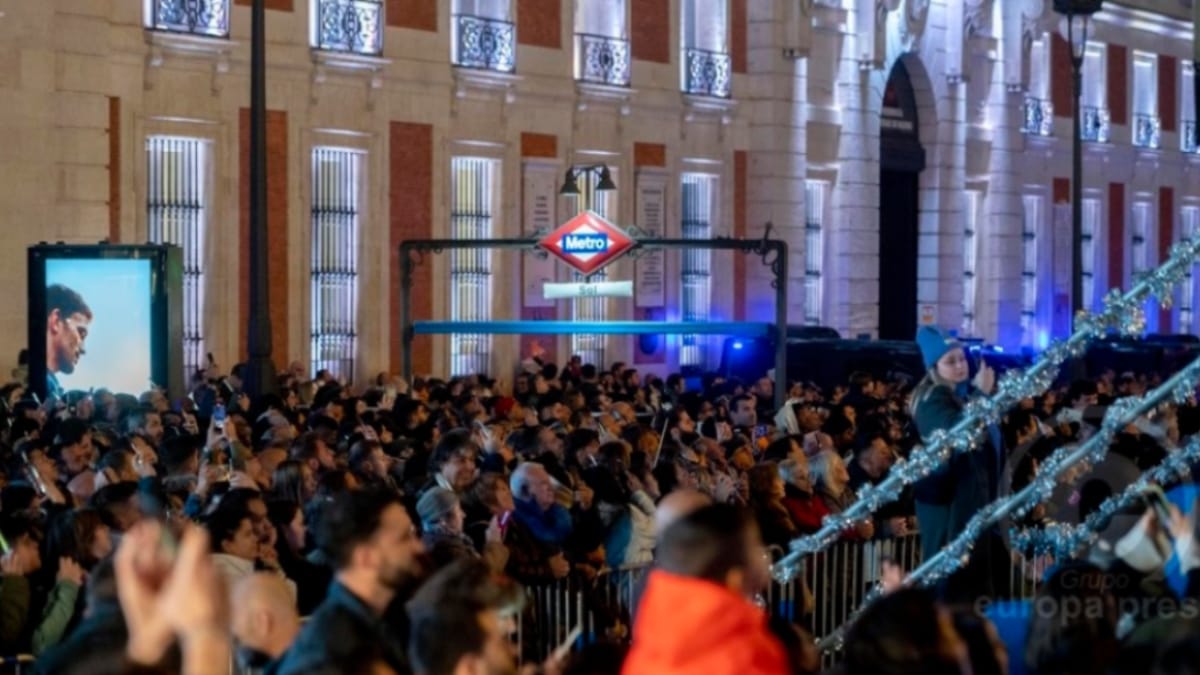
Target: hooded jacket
(687, 625)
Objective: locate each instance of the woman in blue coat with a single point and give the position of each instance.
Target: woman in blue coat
(948, 498)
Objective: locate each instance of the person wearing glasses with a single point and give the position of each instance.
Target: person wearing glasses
(67, 320)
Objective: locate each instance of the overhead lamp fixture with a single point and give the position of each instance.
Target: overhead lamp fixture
(604, 181)
(569, 186)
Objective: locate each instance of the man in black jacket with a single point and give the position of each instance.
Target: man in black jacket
(377, 553)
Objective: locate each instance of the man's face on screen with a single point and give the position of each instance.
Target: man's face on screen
(67, 338)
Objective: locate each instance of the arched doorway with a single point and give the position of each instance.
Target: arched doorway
(901, 161)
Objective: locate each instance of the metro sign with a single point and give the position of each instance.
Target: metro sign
(587, 242)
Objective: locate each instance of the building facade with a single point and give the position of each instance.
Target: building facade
(915, 154)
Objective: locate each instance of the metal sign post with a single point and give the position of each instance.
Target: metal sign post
(773, 252)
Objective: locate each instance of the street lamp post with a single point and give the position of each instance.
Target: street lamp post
(1078, 15)
(259, 376)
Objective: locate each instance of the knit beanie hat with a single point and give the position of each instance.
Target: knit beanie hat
(934, 344)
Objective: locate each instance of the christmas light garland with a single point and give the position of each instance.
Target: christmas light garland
(1178, 389)
(1123, 312)
(1065, 541)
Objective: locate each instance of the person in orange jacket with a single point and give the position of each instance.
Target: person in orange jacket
(694, 616)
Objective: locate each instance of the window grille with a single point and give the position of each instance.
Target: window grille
(472, 190)
(1187, 108)
(814, 249)
(1147, 126)
(1029, 267)
(697, 195)
(176, 205)
(970, 251)
(1139, 244)
(1190, 217)
(592, 348)
(336, 186)
(1091, 227)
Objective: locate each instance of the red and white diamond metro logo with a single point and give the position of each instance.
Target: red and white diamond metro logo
(587, 242)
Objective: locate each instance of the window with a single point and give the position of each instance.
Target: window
(970, 247)
(1030, 225)
(1187, 107)
(336, 184)
(176, 203)
(697, 202)
(1146, 125)
(1090, 215)
(209, 18)
(1139, 240)
(473, 183)
(705, 37)
(1095, 122)
(1190, 215)
(354, 26)
(483, 35)
(814, 249)
(592, 348)
(1038, 118)
(601, 42)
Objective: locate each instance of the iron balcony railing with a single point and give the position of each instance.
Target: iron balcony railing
(601, 59)
(1187, 136)
(209, 18)
(1147, 131)
(706, 73)
(1038, 117)
(485, 44)
(1095, 124)
(352, 26)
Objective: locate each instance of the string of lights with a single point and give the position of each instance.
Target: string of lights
(1123, 312)
(1065, 541)
(1178, 389)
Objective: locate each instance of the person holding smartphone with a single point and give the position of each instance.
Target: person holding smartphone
(948, 498)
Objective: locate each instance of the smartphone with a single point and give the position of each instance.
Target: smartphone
(35, 476)
(218, 417)
(5, 549)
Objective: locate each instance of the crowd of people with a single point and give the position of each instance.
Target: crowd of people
(395, 528)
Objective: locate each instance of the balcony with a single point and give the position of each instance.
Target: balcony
(706, 73)
(350, 26)
(1095, 124)
(601, 60)
(1187, 136)
(1147, 131)
(484, 44)
(1037, 117)
(207, 18)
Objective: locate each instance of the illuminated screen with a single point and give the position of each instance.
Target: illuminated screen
(98, 325)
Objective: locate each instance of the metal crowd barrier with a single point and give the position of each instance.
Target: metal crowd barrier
(822, 598)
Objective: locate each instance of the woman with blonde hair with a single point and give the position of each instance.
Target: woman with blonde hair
(948, 498)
